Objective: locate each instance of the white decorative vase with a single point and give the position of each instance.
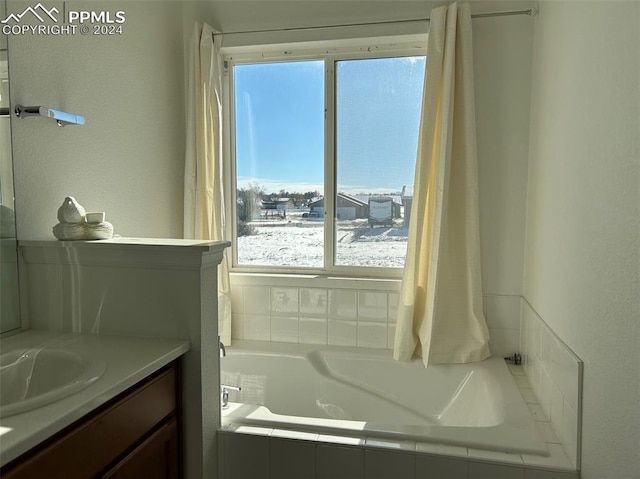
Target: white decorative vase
(71, 211)
(74, 226)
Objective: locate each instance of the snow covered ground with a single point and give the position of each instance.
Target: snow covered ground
(299, 242)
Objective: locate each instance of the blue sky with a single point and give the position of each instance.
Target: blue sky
(280, 124)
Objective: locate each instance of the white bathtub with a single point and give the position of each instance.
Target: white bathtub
(358, 393)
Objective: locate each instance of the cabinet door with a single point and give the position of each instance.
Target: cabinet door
(96, 441)
(156, 457)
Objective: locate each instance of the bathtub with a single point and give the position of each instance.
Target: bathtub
(365, 393)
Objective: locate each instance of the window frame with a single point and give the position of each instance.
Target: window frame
(341, 51)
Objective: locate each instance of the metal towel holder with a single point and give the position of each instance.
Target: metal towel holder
(62, 117)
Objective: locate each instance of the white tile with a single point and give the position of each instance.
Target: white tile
(556, 458)
(314, 302)
(569, 432)
(442, 449)
(284, 301)
(556, 403)
(313, 330)
(515, 369)
(393, 300)
(565, 371)
(334, 462)
(545, 346)
(547, 433)
(482, 470)
(256, 328)
(503, 312)
(391, 444)
(544, 400)
(380, 464)
(343, 304)
(372, 306)
(258, 431)
(237, 329)
(494, 456)
(537, 413)
(546, 474)
(522, 382)
(344, 440)
(428, 467)
(290, 434)
(391, 335)
(237, 302)
(528, 396)
(534, 376)
(342, 333)
(236, 450)
(372, 335)
(289, 459)
(535, 334)
(284, 329)
(256, 300)
(504, 342)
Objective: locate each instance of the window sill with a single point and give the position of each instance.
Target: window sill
(333, 281)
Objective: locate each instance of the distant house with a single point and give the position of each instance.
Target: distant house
(348, 207)
(276, 207)
(407, 199)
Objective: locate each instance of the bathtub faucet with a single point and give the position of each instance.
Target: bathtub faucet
(224, 394)
(223, 350)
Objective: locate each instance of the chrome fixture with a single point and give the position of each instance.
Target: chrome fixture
(224, 394)
(62, 117)
(223, 350)
(515, 359)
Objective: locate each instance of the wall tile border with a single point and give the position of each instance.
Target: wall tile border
(555, 375)
(356, 312)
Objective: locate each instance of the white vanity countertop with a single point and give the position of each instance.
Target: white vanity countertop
(128, 360)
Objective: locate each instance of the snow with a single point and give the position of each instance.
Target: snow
(298, 242)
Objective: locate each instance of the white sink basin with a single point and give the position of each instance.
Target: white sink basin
(35, 377)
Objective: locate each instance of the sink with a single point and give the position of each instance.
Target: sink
(35, 377)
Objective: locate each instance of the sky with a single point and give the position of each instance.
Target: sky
(280, 124)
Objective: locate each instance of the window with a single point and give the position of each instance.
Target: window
(324, 153)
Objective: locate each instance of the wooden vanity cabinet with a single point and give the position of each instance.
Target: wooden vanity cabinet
(135, 435)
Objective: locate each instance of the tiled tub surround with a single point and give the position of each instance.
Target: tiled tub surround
(284, 454)
(338, 311)
(342, 312)
(554, 373)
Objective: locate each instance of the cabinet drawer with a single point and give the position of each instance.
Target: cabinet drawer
(156, 457)
(89, 446)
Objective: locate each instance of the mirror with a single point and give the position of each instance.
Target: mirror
(9, 298)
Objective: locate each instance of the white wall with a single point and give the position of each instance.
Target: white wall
(502, 73)
(582, 252)
(127, 159)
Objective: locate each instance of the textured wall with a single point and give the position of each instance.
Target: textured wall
(502, 73)
(582, 266)
(128, 158)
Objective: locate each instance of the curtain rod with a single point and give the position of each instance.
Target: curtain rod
(529, 12)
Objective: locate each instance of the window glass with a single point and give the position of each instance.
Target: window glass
(378, 105)
(280, 117)
(279, 152)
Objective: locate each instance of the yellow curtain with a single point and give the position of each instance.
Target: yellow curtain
(440, 315)
(203, 178)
